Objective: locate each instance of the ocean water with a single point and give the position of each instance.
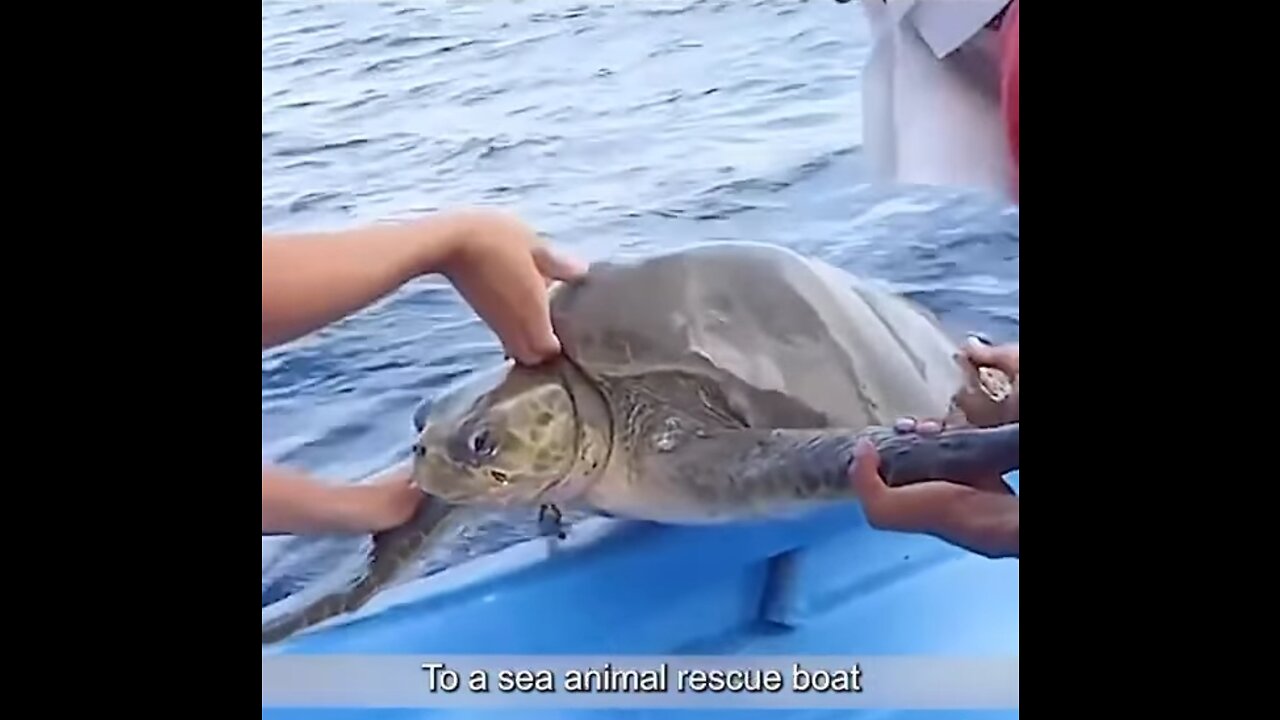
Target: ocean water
(612, 127)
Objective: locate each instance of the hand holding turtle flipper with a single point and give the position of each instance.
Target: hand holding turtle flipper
(981, 517)
(967, 450)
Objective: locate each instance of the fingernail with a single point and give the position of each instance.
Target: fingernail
(904, 425)
(546, 346)
(573, 264)
(979, 340)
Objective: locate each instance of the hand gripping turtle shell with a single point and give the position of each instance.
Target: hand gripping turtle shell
(706, 385)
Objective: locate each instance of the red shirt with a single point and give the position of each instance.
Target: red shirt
(1009, 83)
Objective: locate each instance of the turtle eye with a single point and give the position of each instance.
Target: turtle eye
(482, 443)
(499, 477)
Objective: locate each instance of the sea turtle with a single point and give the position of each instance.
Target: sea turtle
(710, 384)
(716, 383)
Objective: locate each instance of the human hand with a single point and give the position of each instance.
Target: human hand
(979, 407)
(381, 505)
(980, 516)
(1001, 357)
(502, 269)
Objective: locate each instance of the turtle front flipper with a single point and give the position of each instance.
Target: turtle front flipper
(392, 552)
(963, 455)
(725, 475)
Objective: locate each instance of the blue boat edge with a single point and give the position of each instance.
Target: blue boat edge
(825, 584)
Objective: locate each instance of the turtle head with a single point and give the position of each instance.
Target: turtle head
(502, 437)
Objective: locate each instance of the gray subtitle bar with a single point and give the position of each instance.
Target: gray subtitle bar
(639, 681)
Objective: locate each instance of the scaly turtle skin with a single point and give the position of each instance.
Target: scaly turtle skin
(718, 383)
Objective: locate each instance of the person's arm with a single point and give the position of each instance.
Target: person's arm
(312, 279)
(495, 261)
(293, 503)
(976, 519)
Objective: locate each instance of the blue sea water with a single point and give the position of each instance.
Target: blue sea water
(612, 127)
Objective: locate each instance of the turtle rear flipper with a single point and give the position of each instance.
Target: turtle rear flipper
(392, 552)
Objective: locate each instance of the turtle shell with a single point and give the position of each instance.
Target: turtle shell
(791, 341)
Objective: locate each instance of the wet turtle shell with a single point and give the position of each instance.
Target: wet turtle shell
(792, 341)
